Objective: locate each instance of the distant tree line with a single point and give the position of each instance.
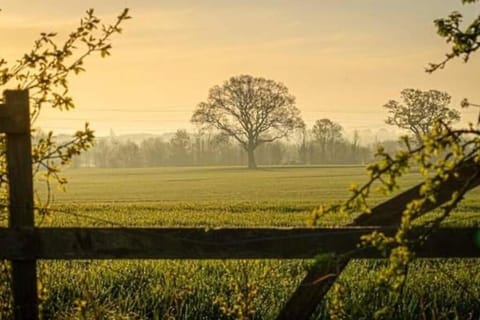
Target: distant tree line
(236, 129)
(325, 143)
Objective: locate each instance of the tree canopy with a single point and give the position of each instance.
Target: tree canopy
(420, 110)
(252, 110)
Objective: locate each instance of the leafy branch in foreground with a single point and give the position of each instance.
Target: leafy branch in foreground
(441, 154)
(464, 41)
(437, 159)
(45, 72)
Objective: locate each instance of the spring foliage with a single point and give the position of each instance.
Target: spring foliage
(45, 72)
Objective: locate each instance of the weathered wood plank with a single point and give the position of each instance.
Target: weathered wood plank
(15, 122)
(310, 292)
(228, 243)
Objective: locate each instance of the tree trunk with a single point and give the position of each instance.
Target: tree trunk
(251, 156)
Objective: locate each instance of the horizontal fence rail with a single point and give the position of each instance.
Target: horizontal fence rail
(224, 243)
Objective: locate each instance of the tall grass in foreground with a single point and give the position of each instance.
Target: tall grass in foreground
(246, 289)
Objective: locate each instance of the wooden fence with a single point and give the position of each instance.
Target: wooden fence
(24, 244)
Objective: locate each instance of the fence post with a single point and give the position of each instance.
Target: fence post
(15, 122)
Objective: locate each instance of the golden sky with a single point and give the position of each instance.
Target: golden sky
(341, 59)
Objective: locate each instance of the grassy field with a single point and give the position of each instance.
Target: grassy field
(282, 196)
(256, 289)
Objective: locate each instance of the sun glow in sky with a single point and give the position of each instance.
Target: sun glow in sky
(341, 59)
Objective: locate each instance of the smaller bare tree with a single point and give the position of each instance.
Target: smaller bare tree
(420, 111)
(327, 134)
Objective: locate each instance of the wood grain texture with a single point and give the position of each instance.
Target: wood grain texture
(14, 113)
(15, 121)
(228, 243)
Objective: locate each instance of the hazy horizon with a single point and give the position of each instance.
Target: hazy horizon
(342, 60)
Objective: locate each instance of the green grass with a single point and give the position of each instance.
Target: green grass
(192, 185)
(207, 197)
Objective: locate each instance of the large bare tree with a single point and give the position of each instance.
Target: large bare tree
(251, 110)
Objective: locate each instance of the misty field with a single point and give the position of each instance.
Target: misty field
(257, 289)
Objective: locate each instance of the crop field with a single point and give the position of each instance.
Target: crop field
(229, 289)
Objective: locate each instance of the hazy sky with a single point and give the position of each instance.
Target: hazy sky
(341, 59)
